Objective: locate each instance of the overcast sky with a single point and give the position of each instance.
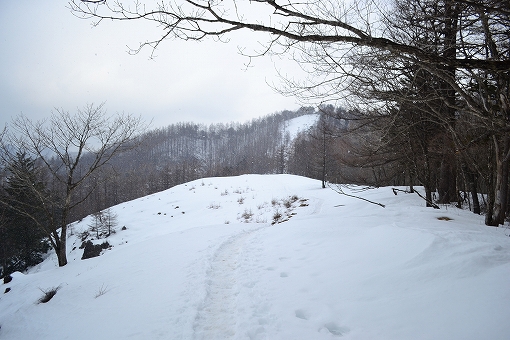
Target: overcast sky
(51, 59)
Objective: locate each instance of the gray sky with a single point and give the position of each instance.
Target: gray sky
(51, 59)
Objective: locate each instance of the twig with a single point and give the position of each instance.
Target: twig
(339, 190)
(102, 291)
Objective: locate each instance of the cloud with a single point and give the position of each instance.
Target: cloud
(52, 59)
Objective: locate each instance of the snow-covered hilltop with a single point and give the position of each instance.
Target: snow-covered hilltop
(272, 257)
(294, 126)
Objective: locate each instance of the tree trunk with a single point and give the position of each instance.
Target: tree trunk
(323, 176)
(501, 186)
(4, 266)
(61, 251)
(490, 189)
(411, 178)
(447, 183)
(446, 187)
(428, 196)
(471, 183)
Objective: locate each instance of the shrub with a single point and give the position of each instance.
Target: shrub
(444, 218)
(84, 235)
(103, 223)
(247, 214)
(276, 217)
(48, 294)
(260, 219)
(287, 204)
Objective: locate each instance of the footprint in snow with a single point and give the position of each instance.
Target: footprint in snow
(335, 329)
(301, 314)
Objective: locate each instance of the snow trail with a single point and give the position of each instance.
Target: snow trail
(340, 268)
(217, 319)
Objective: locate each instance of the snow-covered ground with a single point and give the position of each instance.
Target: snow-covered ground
(300, 124)
(203, 260)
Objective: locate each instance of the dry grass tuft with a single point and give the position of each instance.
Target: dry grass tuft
(444, 218)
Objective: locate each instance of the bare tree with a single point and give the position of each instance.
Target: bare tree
(465, 107)
(466, 54)
(60, 145)
(324, 22)
(103, 223)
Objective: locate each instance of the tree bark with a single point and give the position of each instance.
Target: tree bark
(501, 185)
(472, 187)
(61, 252)
(447, 180)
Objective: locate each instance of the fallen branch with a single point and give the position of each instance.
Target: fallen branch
(339, 190)
(432, 204)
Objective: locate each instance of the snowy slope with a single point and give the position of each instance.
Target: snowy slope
(300, 124)
(202, 260)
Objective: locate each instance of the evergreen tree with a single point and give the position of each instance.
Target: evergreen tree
(23, 241)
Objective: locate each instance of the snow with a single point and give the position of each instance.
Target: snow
(299, 124)
(198, 262)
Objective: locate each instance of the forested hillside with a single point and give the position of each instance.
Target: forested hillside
(182, 152)
(81, 164)
(325, 143)
(187, 151)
